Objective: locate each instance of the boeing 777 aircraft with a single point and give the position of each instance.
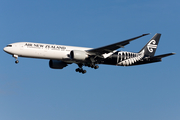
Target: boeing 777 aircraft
(60, 55)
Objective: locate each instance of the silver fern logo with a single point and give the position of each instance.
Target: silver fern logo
(151, 45)
(128, 58)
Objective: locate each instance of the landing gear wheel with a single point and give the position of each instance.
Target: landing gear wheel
(96, 67)
(80, 70)
(92, 66)
(84, 71)
(77, 70)
(16, 61)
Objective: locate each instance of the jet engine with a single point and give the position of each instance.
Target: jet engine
(78, 55)
(57, 64)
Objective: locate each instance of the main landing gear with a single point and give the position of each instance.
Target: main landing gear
(81, 70)
(16, 57)
(94, 66)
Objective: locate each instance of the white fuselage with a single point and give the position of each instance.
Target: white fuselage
(42, 51)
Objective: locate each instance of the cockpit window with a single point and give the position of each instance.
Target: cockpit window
(9, 46)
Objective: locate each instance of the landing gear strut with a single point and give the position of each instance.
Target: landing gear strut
(16, 57)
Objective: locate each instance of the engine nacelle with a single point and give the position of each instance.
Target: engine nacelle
(78, 55)
(57, 64)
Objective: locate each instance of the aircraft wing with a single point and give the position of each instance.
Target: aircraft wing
(112, 47)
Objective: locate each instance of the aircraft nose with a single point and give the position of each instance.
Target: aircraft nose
(5, 49)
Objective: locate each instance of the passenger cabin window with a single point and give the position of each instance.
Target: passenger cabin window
(9, 45)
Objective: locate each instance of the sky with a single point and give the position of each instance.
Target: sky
(31, 90)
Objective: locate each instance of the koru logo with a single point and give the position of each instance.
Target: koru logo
(151, 45)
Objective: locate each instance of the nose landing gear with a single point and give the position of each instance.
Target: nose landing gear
(16, 61)
(16, 57)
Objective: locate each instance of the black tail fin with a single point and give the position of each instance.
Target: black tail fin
(150, 47)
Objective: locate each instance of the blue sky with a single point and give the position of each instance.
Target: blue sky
(31, 90)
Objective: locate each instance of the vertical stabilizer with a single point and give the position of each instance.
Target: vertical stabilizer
(151, 46)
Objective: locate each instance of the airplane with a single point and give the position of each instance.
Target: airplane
(61, 56)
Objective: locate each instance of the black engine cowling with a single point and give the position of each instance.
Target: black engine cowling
(57, 64)
(78, 55)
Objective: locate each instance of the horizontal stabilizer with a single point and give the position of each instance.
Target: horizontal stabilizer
(163, 55)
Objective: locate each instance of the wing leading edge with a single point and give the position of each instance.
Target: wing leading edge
(112, 47)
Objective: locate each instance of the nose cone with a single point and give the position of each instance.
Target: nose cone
(5, 49)
(9, 49)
